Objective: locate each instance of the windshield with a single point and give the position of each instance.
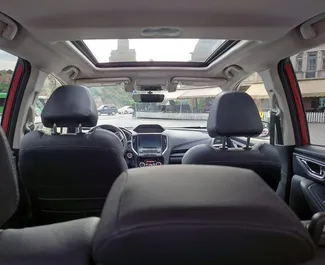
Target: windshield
(187, 107)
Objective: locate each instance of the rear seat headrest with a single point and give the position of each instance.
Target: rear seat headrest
(9, 194)
(197, 215)
(234, 113)
(70, 106)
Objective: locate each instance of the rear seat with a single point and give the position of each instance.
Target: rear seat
(198, 215)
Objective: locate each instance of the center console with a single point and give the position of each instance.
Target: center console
(149, 148)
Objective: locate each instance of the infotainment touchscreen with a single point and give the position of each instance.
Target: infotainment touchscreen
(149, 140)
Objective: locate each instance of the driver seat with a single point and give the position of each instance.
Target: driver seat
(68, 176)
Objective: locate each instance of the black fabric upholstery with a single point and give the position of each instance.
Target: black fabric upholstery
(9, 194)
(197, 215)
(234, 113)
(69, 106)
(69, 176)
(262, 158)
(64, 243)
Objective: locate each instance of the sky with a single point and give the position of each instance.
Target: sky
(177, 50)
(7, 61)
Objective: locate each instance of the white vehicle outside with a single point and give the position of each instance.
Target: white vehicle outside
(125, 110)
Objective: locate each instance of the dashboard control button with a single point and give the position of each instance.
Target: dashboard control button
(141, 164)
(129, 155)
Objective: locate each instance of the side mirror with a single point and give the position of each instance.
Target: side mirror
(266, 129)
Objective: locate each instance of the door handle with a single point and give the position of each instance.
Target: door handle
(319, 174)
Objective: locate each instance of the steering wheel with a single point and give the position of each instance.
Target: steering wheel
(117, 132)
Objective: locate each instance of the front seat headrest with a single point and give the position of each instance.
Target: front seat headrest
(234, 113)
(70, 106)
(9, 194)
(197, 215)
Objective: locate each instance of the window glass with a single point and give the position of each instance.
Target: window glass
(7, 67)
(311, 64)
(188, 106)
(50, 84)
(152, 50)
(299, 62)
(254, 86)
(311, 81)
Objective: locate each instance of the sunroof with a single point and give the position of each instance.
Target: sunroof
(151, 50)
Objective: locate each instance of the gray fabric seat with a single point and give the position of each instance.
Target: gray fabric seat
(197, 215)
(63, 243)
(68, 176)
(233, 114)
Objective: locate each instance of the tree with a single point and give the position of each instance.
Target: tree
(4, 88)
(50, 84)
(114, 95)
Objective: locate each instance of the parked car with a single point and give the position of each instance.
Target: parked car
(125, 110)
(318, 109)
(107, 109)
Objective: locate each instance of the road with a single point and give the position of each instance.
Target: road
(317, 133)
(316, 130)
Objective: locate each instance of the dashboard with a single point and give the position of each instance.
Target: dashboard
(152, 145)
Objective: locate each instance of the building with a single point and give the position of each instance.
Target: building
(203, 49)
(310, 66)
(310, 71)
(123, 53)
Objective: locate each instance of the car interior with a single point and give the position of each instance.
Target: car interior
(215, 150)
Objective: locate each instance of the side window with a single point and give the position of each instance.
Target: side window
(50, 84)
(7, 67)
(254, 86)
(311, 79)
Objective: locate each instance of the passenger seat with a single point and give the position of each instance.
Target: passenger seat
(234, 114)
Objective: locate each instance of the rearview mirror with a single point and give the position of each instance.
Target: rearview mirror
(148, 97)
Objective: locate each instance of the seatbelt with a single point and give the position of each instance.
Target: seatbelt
(275, 127)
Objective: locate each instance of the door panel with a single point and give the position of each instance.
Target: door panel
(307, 195)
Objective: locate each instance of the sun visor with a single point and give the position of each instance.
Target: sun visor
(195, 81)
(104, 81)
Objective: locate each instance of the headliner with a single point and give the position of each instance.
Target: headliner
(224, 19)
(268, 29)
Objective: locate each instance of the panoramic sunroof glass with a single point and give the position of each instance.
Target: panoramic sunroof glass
(152, 50)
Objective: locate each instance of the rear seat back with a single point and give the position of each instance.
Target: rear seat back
(62, 243)
(198, 215)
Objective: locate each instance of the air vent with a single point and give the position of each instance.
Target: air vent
(134, 143)
(176, 156)
(164, 143)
